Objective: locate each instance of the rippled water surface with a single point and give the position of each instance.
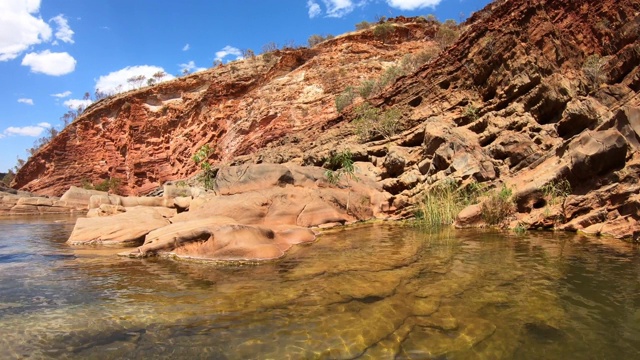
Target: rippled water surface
(371, 291)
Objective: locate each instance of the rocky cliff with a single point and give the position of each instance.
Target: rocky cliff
(533, 94)
(282, 98)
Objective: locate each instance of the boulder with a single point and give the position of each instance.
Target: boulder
(124, 229)
(471, 216)
(594, 153)
(80, 197)
(395, 162)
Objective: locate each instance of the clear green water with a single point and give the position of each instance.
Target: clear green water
(373, 291)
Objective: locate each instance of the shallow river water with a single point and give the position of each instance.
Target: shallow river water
(374, 291)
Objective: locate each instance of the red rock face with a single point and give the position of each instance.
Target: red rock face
(531, 94)
(148, 136)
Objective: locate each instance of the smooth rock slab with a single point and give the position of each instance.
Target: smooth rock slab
(222, 238)
(128, 228)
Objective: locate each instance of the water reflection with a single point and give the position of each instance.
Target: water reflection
(372, 291)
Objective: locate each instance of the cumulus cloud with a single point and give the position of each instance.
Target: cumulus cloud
(334, 8)
(228, 51)
(314, 8)
(61, 95)
(25, 101)
(338, 8)
(31, 130)
(412, 4)
(77, 103)
(116, 81)
(64, 32)
(186, 47)
(50, 63)
(20, 27)
(190, 67)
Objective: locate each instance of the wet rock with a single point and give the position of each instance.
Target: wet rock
(429, 343)
(471, 216)
(222, 238)
(544, 332)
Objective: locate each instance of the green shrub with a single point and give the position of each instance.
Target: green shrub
(389, 76)
(497, 208)
(201, 158)
(593, 69)
(555, 193)
(108, 185)
(446, 36)
(345, 99)
(471, 112)
(8, 178)
(382, 31)
(411, 62)
(520, 229)
(341, 164)
(371, 122)
(432, 18)
(363, 25)
(366, 88)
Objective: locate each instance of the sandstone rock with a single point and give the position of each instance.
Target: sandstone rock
(395, 162)
(580, 114)
(80, 197)
(182, 202)
(221, 238)
(471, 216)
(256, 214)
(105, 210)
(621, 227)
(593, 153)
(124, 229)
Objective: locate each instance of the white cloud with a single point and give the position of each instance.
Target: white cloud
(34, 131)
(228, 51)
(49, 63)
(20, 28)
(186, 47)
(64, 32)
(190, 67)
(62, 94)
(116, 81)
(25, 101)
(77, 103)
(413, 4)
(338, 8)
(314, 8)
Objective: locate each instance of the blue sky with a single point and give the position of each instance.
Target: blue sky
(52, 52)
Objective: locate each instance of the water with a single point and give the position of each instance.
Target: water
(373, 291)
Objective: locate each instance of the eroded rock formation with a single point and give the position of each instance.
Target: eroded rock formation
(255, 212)
(532, 94)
